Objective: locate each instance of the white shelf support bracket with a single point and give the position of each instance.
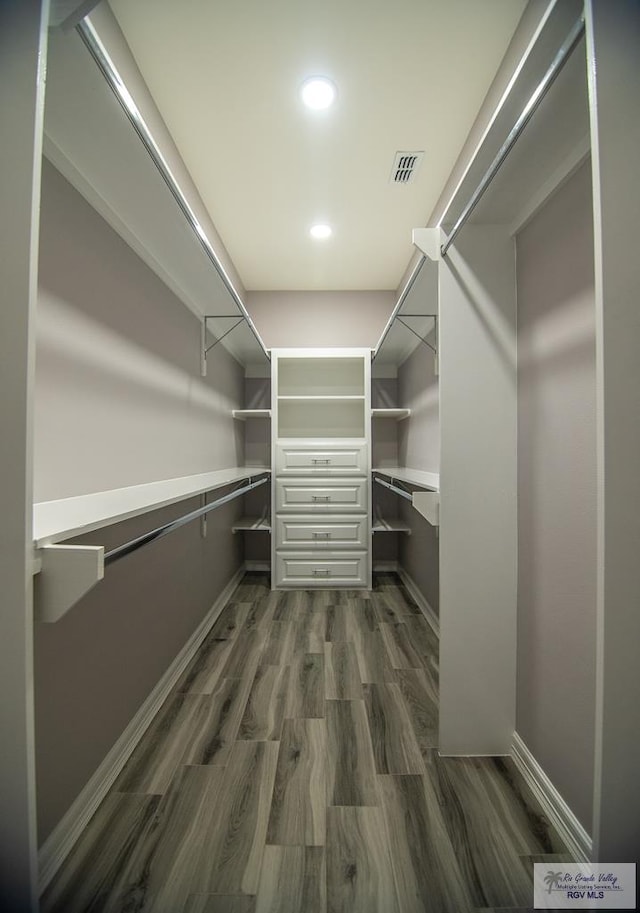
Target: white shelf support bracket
(203, 518)
(403, 320)
(428, 241)
(67, 573)
(427, 503)
(204, 348)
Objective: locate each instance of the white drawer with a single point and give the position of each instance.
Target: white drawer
(313, 532)
(318, 459)
(326, 569)
(321, 496)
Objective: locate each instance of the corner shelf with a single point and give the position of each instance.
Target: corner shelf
(244, 414)
(397, 414)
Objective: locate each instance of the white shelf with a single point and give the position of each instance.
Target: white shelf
(314, 397)
(397, 414)
(430, 480)
(55, 521)
(244, 414)
(383, 525)
(254, 523)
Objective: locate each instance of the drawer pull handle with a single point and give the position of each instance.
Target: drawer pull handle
(324, 462)
(320, 497)
(321, 572)
(321, 535)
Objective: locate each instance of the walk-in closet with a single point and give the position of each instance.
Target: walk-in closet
(319, 593)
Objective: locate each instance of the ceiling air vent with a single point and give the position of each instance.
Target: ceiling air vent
(405, 167)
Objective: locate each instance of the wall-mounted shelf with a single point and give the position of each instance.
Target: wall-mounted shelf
(426, 502)
(244, 414)
(429, 480)
(64, 573)
(397, 414)
(251, 523)
(384, 525)
(55, 521)
(320, 398)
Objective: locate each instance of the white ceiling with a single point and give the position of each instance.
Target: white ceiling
(411, 75)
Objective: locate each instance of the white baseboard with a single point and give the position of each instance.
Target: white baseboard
(562, 818)
(426, 609)
(62, 839)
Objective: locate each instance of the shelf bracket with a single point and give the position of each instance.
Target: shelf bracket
(427, 503)
(67, 572)
(428, 241)
(203, 518)
(204, 348)
(423, 339)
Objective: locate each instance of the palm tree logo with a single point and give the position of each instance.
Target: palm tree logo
(552, 879)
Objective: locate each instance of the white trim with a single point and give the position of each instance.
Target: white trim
(568, 167)
(426, 609)
(62, 839)
(573, 834)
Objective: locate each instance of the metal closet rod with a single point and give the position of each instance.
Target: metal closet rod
(122, 550)
(394, 488)
(528, 111)
(117, 86)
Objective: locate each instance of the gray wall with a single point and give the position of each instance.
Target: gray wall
(557, 491)
(119, 400)
(419, 448)
(419, 437)
(320, 318)
(119, 397)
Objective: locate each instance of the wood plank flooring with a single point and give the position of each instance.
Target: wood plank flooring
(294, 770)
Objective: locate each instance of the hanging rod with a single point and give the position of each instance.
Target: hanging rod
(99, 53)
(393, 488)
(132, 546)
(528, 111)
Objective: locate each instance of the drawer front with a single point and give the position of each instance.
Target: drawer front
(321, 570)
(314, 459)
(312, 532)
(321, 496)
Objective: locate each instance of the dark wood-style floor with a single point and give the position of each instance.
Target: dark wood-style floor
(294, 770)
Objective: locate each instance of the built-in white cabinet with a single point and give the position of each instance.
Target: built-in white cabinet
(321, 467)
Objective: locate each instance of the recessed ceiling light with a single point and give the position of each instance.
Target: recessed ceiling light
(318, 92)
(320, 232)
